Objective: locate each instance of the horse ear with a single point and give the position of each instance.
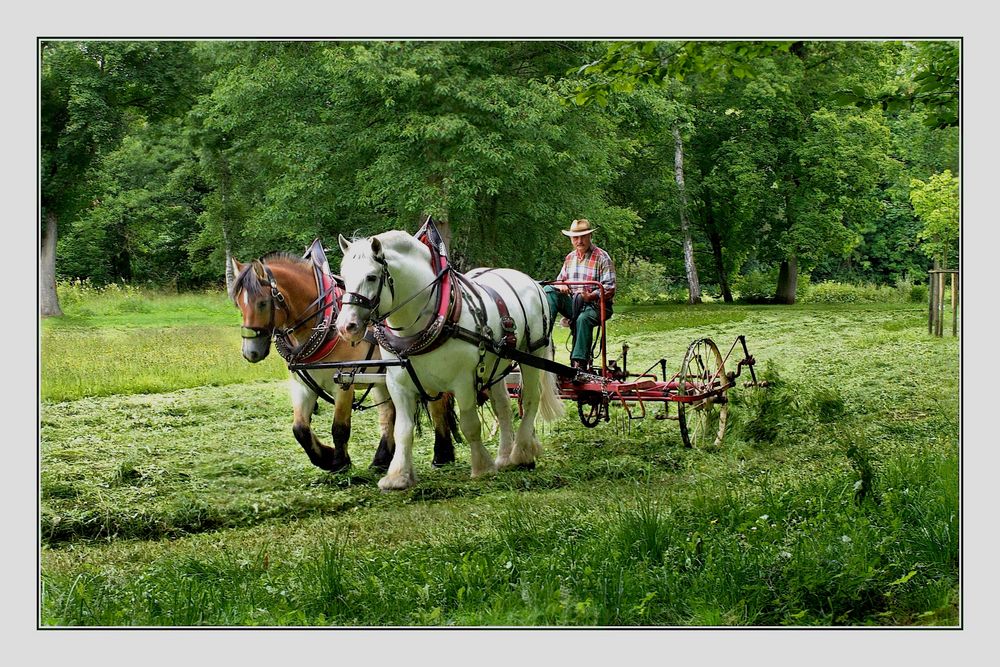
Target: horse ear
(258, 270)
(376, 247)
(237, 267)
(344, 244)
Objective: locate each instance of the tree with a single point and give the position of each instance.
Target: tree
(930, 83)
(143, 215)
(690, 268)
(327, 138)
(90, 92)
(936, 203)
(625, 66)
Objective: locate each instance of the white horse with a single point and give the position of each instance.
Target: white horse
(391, 278)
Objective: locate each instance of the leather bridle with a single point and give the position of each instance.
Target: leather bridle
(372, 303)
(276, 298)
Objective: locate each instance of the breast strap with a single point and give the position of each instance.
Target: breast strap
(330, 294)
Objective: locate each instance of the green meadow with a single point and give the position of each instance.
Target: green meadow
(174, 494)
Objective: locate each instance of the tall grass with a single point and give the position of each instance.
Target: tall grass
(120, 339)
(788, 560)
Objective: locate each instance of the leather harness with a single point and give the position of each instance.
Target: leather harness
(324, 338)
(454, 289)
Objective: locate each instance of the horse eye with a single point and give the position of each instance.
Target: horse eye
(370, 279)
(261, 305)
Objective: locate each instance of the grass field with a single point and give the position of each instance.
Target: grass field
(173, 492)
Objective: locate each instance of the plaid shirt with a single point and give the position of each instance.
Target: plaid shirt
(596, 265)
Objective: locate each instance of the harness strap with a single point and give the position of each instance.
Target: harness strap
(532, 345)
(508, 328)
(311, 382)
(325, 307)
(507, 340)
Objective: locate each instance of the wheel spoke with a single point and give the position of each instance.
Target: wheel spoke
(702, 422)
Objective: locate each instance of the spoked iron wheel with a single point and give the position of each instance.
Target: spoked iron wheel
(703, 421)
(592, 409)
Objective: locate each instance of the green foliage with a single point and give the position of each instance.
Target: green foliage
(756, 286)
(142, 226)
(162, 157)
(645, 283)
(626, 66)
(361, 137)
(91, 92)
(936, 203)
(930, 83)
(831, 292)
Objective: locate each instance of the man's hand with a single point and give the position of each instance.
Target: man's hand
(591, 296)
(563, 288)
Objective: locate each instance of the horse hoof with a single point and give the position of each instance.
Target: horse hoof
(441, 464)
(396, 482)
(490, 470)
(338, 465)
(381, 467)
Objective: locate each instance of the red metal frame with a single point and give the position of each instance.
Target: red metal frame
(638, 388)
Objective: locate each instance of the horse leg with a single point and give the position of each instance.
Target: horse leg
(341, 429)
(482, 462)
(386, 423)
(444, 447)
(401, 474)
(505, 418)
(526, 445)
(303, 405)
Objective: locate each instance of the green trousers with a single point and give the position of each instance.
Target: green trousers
(589, 318)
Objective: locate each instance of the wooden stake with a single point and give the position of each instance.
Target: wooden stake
(954, 304)
(931, 293)
(940, 314)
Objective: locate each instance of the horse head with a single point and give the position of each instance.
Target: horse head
(368, 286)
(256, 295)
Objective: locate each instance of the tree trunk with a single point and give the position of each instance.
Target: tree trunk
(228, 247)
(224, 220)
(443, 223)
(787, 281)
(716, 241)
(694, 287)
(48, 298)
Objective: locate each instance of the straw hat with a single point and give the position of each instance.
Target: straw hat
(579, 227)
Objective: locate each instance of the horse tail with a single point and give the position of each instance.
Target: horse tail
(550, 406)
(451, 417)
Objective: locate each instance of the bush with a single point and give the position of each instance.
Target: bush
(756, 286)
(833, 292)
(918, 294)
(645, 283)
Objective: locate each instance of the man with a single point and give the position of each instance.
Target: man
(586, 262)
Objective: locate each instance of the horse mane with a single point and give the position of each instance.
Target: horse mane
(282, 257)
(247, 281)
(394, 240)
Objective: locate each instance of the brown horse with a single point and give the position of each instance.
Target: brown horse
(295, 301)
